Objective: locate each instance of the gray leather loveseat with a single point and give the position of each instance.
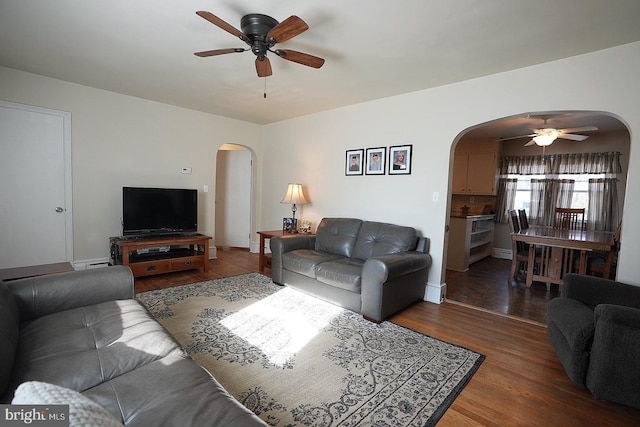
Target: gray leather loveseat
(84, 331)
(372, 268)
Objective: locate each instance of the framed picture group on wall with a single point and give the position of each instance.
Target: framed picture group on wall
(374, 161)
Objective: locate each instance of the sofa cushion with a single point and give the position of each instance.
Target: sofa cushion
(337, 235)
(80, 348)
(305, 261)
(82, 410)
(191, 386)
(345, 273)
(377, 238)
(9, 332)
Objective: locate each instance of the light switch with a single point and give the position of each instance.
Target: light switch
(436, 196)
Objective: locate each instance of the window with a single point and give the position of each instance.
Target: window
(538, 184)
(579, 196)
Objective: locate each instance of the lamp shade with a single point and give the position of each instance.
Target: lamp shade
(294, 195)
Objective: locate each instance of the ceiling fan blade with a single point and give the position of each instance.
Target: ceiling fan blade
(263, 67)
(532, 142)
(517, 137)
(222, 24)
(287, 29)
(580, 129)
(300, 58)
(573, 137)
(215, 52)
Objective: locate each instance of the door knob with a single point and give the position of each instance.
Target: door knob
(59, 209)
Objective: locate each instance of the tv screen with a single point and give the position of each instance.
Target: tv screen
(159, 210)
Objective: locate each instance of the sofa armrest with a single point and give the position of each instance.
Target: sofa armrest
(614, 366)
(39, 296)
(283, 244)
(593, 291)
(391, 282)
(380, 269)
(617, 314)
(574, 320)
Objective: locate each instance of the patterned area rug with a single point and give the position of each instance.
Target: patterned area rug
(295, 360)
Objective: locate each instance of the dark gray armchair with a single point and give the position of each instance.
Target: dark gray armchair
(594, 328)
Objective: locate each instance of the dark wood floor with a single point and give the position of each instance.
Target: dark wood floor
(486, 285)
(520, 383)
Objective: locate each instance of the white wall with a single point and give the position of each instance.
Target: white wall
(311, 150)
(121, 141)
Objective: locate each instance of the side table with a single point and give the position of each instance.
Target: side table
(265, 260)
(15, 273)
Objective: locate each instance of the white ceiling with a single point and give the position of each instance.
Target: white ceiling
(145, 48)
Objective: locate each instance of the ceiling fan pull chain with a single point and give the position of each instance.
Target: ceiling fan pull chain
(265, 87)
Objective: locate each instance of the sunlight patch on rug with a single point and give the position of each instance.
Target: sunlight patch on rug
(281, 324)
(295, 360)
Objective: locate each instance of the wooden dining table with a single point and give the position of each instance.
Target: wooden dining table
(554, 252)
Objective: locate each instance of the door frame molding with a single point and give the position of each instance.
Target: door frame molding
(68, 179)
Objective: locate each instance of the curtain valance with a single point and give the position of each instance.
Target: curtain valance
(555, 164)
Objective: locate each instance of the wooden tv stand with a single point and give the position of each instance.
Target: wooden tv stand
(143, 256)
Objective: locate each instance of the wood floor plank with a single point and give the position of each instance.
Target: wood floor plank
(520, 383)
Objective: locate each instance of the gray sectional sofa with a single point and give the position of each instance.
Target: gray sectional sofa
(372, 268)
(84, 331)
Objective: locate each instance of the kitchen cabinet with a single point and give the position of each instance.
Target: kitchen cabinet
(474, 173)
(470, 240)
(475, 166)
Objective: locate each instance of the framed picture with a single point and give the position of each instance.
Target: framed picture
(376, 158)
(288, 225)
(354, 162)
(400, 159)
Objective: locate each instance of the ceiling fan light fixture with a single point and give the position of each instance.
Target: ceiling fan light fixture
(546, 137)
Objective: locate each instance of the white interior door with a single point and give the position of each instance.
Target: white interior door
(233, 198)
(35, 167)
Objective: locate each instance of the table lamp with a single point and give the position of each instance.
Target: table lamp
(293, 196)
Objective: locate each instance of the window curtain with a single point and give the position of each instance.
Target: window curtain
(603, 204)
(506, 198)
(546, 194)
(577, 163)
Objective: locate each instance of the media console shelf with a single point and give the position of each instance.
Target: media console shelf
(156, 255)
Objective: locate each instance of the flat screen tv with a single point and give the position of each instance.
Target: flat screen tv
(156, 211)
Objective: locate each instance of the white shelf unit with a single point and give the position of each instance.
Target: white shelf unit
(470, 240)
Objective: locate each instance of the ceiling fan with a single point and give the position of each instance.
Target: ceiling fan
(261, 33)
(546, 135)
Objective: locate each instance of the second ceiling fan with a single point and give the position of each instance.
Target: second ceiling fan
(261, 33)
(546, 135)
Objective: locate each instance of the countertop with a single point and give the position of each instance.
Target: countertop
(481, 217)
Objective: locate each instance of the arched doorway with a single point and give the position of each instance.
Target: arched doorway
(485, 283)
(234, 175)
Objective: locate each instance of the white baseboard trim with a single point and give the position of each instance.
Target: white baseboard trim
(502, 253)
(436, 292)
(89, 264)
(254, 248)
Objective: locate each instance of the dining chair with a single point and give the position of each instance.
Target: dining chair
(524, 221)
(520, 250)
(603, 264)
(568, 218)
